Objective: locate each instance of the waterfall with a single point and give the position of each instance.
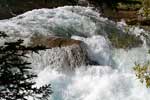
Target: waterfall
(111, 79)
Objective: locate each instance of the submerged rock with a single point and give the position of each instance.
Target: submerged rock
(52, 42)
(62, 54)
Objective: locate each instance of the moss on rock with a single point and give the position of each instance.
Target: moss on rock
(124, 40)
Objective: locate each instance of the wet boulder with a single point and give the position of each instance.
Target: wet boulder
(52, 42)
(62, 54)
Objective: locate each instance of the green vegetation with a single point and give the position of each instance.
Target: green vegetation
(129, 5)
(16, 78)
(143, 73)
(145, 10)
(124, 6)
(146, 4)
(124, 40)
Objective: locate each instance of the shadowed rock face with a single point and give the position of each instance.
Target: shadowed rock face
(11, 8)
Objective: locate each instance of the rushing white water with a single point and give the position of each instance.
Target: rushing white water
(112, 79)
(62, 21)
(116, 82)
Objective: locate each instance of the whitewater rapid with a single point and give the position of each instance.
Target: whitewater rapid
(115, 80)
(112, 79)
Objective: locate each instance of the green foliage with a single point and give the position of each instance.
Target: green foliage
(143, 73)
(145, 9)
(145, 12)
(124, 6)
(114, 3)
(124, 40)
(146, 4)
(16, 79)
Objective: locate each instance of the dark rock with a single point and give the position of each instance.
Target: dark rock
(52, 42)
(64, 54)
(142, 22)
(11, 8)
(83, 2)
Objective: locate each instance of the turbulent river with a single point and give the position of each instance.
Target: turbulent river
(112, 78)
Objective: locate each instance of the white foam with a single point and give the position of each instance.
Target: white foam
(96, 83)
(113, 79)
(98, 49)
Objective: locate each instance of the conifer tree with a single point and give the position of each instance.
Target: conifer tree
(16, 79)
